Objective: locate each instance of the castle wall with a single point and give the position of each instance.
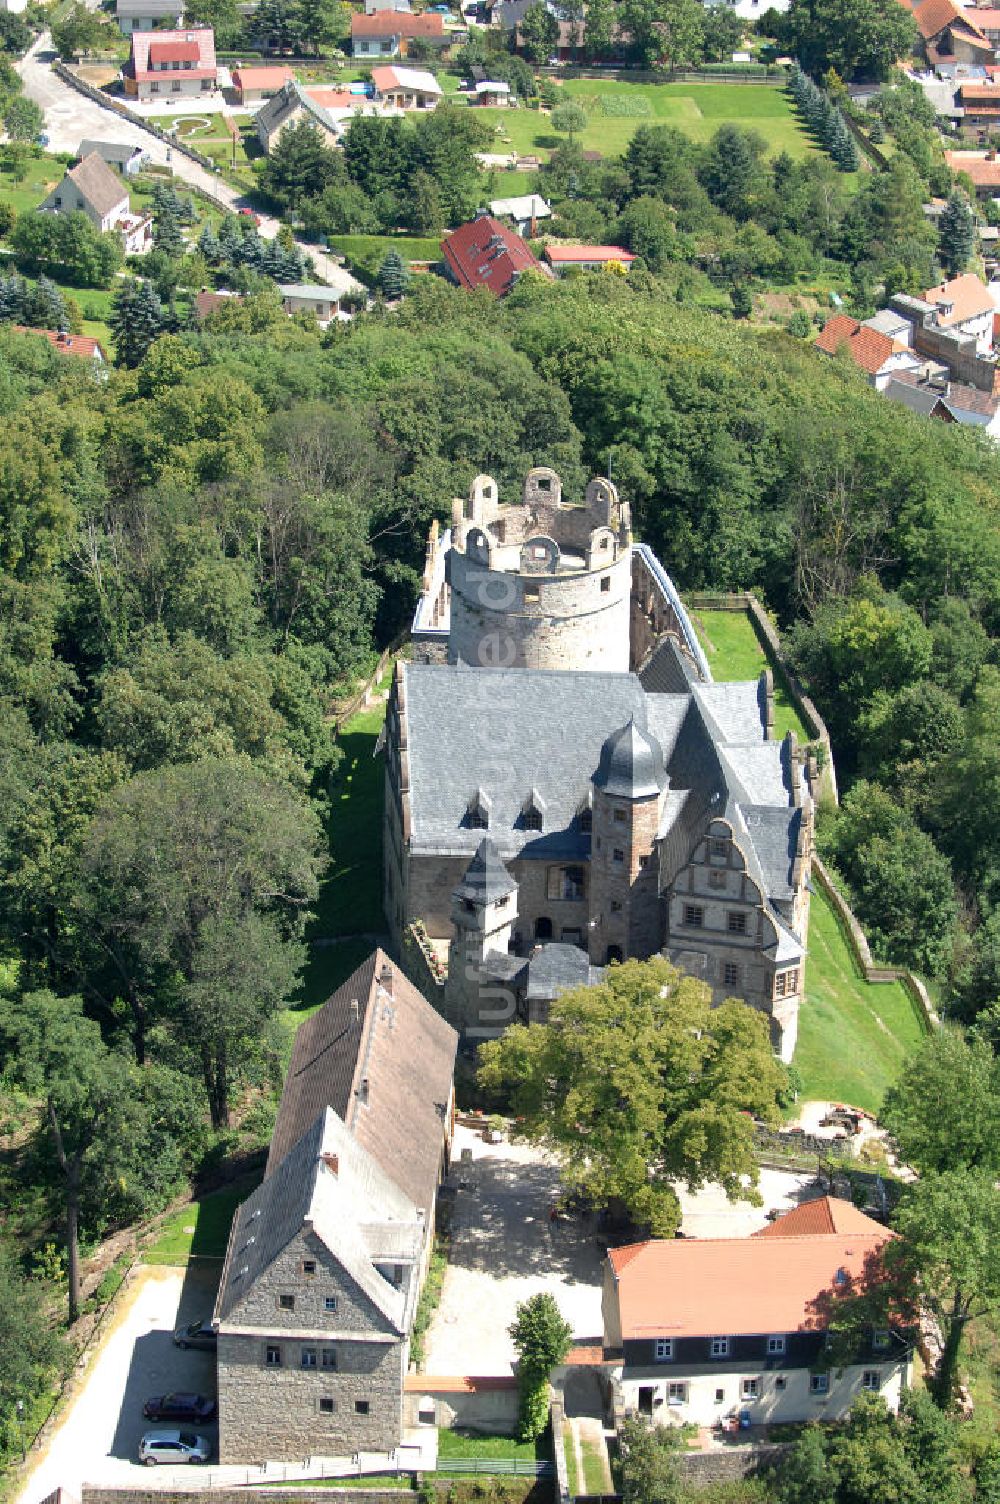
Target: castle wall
(574, 620)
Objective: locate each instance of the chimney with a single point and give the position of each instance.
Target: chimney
(363, 1091)
(355, 1010)
(332, 1162)
(385, 978)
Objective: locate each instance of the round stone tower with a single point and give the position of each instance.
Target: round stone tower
(540, 583)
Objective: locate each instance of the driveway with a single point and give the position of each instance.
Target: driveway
(97, 1440)
(71, 117)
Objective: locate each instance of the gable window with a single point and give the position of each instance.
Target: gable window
(532, 819)
(871, 1379)
(718, 846)
(736, 922)
(308, 1266)
(272, 1356)
(677, 1394)
(732, 975)
(716, 878)
(286, 1302)
(361, 1407)
(326, 1405)
(750, 1389)
(775, 1346)
(720, 1347)
(880, 1337)
(694, 916)
(308, 1358)
(819, 1383)
(330, 1357)
(477, 814)
(664, 1349)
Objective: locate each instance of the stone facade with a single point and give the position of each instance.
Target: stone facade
(540, 584)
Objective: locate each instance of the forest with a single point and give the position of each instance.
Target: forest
(198, 554)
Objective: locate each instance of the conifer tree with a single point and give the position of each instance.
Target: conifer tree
(136, 320)
(393, 277)
(958, 233)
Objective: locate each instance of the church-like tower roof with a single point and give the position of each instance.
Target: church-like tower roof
(486, 878)
(631, 765)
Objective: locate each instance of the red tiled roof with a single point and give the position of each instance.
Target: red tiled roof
(262, 78)
(979, 91)
(967, 295)
(335, 99)
(983, 172)
(869, 348)
(67, 344)
(815, 1218)
(395, 23)
(571, 253)
(197, 42)
(985, 17)
(696, 1287)
(932, 16)
(484, 253)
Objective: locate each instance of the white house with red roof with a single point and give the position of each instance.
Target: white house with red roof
(171, 64)
(965, 305)
(878, 354)
(587, 258)
(712, 1331)
(405, 88)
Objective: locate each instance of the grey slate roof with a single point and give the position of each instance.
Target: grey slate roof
(402, 1048)
(919, 399)
(667, 671)
(631, 764)
(554, 968)
(486, 878)
(354, 1208)
(513, 730)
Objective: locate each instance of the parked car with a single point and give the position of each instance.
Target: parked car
(179, 1406)
(198, 1334)
(173, 1446)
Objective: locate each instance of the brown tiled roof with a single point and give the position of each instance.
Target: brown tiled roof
(405, 1051)
(101, 187)
(696, 1287)
(985, 173)
(485, 253)
(979, 91)
(814, 1218)
(932, 16)
(570, 254)
(967, 295)
(396, 23)
(274, 77)
(67, 344)
(195, 44)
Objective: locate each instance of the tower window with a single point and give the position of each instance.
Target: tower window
(620, 817)
(618, 856)
(326, 1406)
(606, 581)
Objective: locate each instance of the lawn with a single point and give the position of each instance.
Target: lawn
(734, 651)
(853, 1035)
(198, 1230)
(365, 253)
(471, 1444)
(41, 175)
(696, 109)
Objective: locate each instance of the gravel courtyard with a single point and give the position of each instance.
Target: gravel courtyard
(505, 1247)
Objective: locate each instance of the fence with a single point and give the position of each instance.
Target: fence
(501, 1467)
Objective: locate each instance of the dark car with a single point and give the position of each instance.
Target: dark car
(179, 1406)
(198, 1334)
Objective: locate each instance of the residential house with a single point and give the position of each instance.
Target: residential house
(171, 64)
(981, 168)
(323, 303)
(987, 18)
(148, 15)
(965, 306)
(491, 94)
(525, 211)
(559, 707)
(877, 354)
(979, 104)
(405, 88)
(949, 34)
(486, 253)
(93, 188)
(938, 396)
(327, 1257)
(707, 1331)
(388, 33)
(254, 85)
(123, 156)
(371, 6)
(290, 106)
(80, 345)
(207, 302)
(587, 258)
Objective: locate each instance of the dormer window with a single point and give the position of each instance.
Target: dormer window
(477, 813)
(533, 812)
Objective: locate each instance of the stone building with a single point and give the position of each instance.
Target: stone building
(327, 1257)
(559, 812)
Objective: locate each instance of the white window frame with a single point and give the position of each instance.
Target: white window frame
(867, 1376)
(819, 1383)
(664, 1350)
(750, 1389)
(776, 1346)
(677, 1392)
(720, 1347)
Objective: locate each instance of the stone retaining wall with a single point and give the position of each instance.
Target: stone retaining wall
(733, 1462)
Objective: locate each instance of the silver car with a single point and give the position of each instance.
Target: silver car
(173, 1446)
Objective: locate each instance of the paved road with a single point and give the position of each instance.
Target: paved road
(71, 117)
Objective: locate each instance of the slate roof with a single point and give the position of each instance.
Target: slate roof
(330, 1181)
(544, 730)
(631, 764)
(486, 253)
(555, 967)
(697, 1287)
(405, 1051)
(486, 878)
(102, 188)
(667, 670)
(919, 399)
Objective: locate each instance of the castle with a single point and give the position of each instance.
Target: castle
(565, 785)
